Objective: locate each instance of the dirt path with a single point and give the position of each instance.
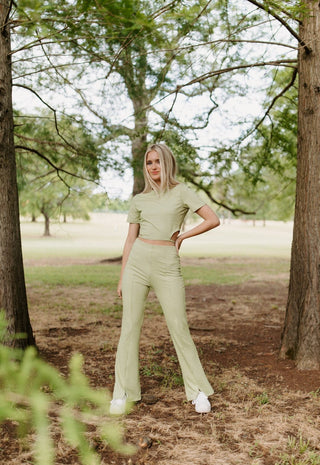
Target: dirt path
(263, 408)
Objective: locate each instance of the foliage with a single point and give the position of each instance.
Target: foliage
(53, 174)
(118, 205)
(156, 64)
(263, 179)
(54, 198)
(35, 396)
(60, 142)
(139, 53)
(275, 144)
(269, 198)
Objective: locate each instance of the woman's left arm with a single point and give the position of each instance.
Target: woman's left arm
(210, 221)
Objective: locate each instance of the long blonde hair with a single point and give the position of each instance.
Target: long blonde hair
(168, 169)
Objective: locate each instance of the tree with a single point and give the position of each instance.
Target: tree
(13, 297)
(143, 49)
(54, 198)
(53, 174)
(301, 334)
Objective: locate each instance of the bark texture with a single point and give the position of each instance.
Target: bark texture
(13, 297)
(301, 333)
(139, 144)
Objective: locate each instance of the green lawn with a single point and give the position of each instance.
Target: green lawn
(227, 271)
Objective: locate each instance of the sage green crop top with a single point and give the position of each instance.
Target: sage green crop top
(161, 215)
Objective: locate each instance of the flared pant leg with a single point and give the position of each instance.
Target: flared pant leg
(170, 291)
(134, 293)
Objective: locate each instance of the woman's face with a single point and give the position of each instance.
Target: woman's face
(153, 166)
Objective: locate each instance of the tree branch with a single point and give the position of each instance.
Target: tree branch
(174, 53)
(206, 190)
(166, 117)
(118, 128)
(123, 129)
(6, 21)
(222, 41)
(277, 194)
(203, 77)
(36, 94)
(48, 68)
(54, 113)
(285, 12)
(40, 141)
(174, 122)
(164, 9)
(56, 168)
(274, 100)
(38, 41)
(41, 176)
(268, 10)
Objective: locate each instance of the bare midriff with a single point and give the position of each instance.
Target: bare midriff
(149, 241)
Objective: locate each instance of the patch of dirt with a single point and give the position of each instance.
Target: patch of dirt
(262, 405)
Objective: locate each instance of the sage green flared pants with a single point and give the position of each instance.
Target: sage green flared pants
(156, 266)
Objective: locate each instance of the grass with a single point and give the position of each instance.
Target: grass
(234, 271)
(299, 452)
(73, 275)
(164, 368)
(107, 275)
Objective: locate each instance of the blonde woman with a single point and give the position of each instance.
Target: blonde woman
(150, 259)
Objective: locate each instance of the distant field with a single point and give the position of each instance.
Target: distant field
(103, 237)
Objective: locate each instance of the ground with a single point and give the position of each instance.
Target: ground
(264, 411)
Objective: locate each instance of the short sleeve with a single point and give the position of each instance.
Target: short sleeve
(191, 199)
(134, 214)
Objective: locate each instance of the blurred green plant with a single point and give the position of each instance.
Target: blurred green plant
(34, 395)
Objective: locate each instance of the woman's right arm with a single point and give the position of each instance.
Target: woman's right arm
(133, 233)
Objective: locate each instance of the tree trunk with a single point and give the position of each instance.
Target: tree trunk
(46, 224)
(301, 333)
(139, 144)
(13, 298)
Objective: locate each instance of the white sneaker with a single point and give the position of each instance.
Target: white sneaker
(118, 406)
(202, 404)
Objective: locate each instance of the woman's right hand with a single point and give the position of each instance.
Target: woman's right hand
(132, 235)
(119, 289)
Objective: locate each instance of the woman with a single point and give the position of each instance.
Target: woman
(150, 259)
